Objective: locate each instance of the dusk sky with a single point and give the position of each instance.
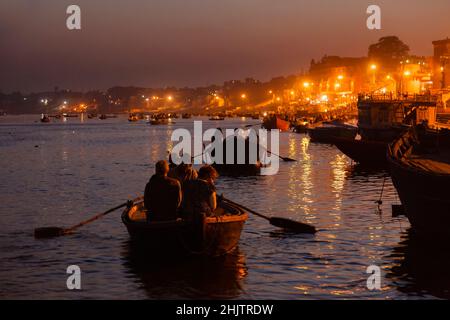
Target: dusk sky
(158, 43)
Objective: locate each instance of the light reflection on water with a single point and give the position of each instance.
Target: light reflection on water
(61, 173)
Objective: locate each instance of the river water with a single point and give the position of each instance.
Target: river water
(60, 173)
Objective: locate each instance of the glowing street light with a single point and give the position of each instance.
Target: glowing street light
(340, 77)
(407, 73)
(306, 84)
(373, 67)
(170, 98)
(243, 96)
(270, 91)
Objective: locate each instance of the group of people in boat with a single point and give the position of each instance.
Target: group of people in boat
(180, 191)
(231, 142)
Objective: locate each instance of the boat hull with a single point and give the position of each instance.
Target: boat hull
(238, 169)
(425, 199)
(423, 193)
(209, 236)
(371, 153)
(329, 134)
(275, 123)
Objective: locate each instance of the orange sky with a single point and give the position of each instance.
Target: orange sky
(195, 42)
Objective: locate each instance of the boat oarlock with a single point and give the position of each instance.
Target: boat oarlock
(240, 146)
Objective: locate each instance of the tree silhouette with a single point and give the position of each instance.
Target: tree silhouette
(389, 51)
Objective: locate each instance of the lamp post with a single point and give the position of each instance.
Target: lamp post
(373, 68)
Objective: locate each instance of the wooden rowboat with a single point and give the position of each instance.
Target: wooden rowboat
(239, 170)
(421, 174)
(209, 236)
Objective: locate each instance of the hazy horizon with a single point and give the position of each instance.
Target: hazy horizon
(194, 43)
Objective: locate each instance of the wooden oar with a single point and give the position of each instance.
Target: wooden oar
(51, 232)
(283, 223)
(282, 158)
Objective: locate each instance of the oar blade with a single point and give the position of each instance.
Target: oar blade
(292, 225)
(48, 232)
(288, 159)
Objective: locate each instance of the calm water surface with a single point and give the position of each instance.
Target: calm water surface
(60, 173)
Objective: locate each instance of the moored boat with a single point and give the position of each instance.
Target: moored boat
(249, 169)
(45, 118)
(217, 118)
(301, 126)
(364, 152)
(421, 174)
(107, 116)
(186, 116)
(162, 121)
(133, 117)
(276, 123)
(211, 236)
(328, 133)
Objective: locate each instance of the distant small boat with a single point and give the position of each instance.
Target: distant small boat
(276, 123)
(45, 118)
(133, 118)
(211, 236)
(70, 115)
(239, 170)
(186, 116)
(103, 117)
(217, 118)
(163, 121)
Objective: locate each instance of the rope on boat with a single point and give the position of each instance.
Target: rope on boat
(380, 201)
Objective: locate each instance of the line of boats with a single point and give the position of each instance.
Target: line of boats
(402, 136)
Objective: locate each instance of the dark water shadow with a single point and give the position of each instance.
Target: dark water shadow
(421, 266)
(359, 170)
(290, 235)
(191, 277)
